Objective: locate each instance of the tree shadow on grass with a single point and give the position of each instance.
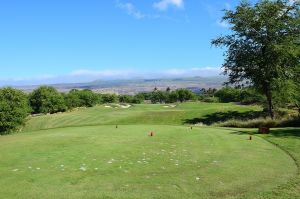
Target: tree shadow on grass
(225, 116)
(280, 132)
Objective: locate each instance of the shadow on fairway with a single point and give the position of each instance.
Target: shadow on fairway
(288, 132)
(224, 116)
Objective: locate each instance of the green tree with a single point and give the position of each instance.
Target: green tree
(14, 109)
(158, 97)
(125, 98)
(72, 99)
(137, 99)
(185, 95)
(173, 97)
(88, 98)
(47, 99)
(109, 98)
(81, 98)
(229, 94)
(251, 96)
(263, 48)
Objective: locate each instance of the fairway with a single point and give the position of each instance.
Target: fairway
(124, 162)
(137, 114)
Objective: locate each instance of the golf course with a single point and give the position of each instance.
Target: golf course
(107, 152)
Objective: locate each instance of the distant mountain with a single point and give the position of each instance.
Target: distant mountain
(134, 86)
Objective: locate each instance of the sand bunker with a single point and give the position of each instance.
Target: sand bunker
(125, 106)
(169, 106)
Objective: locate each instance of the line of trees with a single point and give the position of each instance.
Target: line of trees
(15, 105)
(168, 96)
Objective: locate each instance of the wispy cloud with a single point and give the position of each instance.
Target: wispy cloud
(131, 10)
(102, 73)
(163, 5)
(125, 74)
(215, 13)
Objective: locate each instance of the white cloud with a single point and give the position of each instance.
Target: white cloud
(131, 10)
(165, 4)
(102, 73)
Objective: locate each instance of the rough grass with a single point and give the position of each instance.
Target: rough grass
(124, 162)
(262, 122)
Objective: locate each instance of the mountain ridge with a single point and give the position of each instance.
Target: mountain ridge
(133, 86)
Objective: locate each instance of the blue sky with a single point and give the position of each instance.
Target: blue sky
(53, 41)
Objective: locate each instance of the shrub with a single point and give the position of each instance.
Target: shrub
(185, 95)
(158, 97)
(47, 99)
(250, 96)
(125, 99)
(210, 99)
(262, 122)
(14, 109)
(109, 98)
(228, 94)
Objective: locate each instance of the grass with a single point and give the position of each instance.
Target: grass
(137, 114)
(81, 154)
(288, 140)
(176, 163)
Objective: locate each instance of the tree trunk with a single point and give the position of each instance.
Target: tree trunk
(298, 106)
(270, 103)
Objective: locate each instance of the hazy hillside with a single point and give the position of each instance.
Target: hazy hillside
(139, 85)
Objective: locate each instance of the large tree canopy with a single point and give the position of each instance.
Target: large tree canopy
(14, 109)
(47, 100)
(263, 47)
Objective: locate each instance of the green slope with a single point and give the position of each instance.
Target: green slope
(138, 114)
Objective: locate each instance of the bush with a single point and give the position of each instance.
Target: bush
(244, 95)
(109, 98)
(14, 109)
(172, 97)
(228, 94)
(158, 97)
(250, 96)
(262, 122)
(180, 95)
(82, 98)
(137, 99)
(185, 95)
(210, 99)
(125, 99)
(47, 99)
